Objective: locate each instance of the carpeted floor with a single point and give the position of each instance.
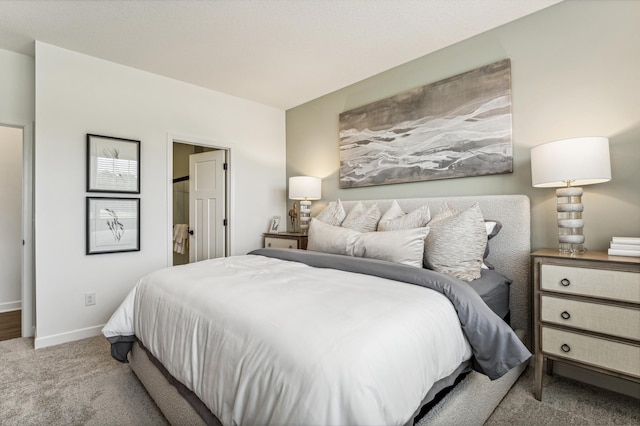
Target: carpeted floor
(74, 383)
(564, 402)
(79, 383)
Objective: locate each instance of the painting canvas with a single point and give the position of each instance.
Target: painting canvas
(113, 225)
(457, 127)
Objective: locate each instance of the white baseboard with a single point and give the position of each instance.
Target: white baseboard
(71, 336)
(10, 306)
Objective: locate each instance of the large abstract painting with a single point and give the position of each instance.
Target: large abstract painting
(457, 127)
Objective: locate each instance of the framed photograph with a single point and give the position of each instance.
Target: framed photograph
(113, 164)
(275, 223)
(113, 225)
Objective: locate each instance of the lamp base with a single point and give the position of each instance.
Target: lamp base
(305, 216)
(570, 222)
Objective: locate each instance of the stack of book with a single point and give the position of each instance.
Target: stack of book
(625, 246)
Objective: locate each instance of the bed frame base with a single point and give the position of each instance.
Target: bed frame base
(470, 402)
(473, 400)
(175, 408)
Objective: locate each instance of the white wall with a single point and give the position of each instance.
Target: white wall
(10, 218)
(16, 88)
(77, 94)
(574, 72)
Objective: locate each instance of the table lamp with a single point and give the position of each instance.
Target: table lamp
(565, 163)
(305, 189)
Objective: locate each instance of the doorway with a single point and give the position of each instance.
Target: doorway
(16, 242)
(199, 224)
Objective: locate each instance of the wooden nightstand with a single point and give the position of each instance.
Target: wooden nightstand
(586, 313)
(293, 240)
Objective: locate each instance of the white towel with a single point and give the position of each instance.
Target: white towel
(180, 237)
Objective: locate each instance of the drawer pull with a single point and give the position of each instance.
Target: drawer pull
(268, 244)
(565, 282)
(565, 348)
(290, 246)
(565, 315)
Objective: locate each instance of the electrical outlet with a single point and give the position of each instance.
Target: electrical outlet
(89, 299)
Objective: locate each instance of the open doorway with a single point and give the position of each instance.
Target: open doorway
(16, 221)
(199, 202)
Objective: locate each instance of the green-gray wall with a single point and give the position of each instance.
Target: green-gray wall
(575, 72)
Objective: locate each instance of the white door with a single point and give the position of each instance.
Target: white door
(207, 176)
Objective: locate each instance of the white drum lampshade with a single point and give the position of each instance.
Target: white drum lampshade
(565, 163)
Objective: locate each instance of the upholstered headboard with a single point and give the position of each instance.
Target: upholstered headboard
(509, 250)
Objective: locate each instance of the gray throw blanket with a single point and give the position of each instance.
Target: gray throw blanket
(496, 348)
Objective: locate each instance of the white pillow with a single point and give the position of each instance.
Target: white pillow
(404, 246)
(456, 243)
(393, 212)
(362, 219)
(333, 214)
(328, 238)
(395, 218)
(446, 210)
(492, 227)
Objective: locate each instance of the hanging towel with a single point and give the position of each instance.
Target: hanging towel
(180, 237)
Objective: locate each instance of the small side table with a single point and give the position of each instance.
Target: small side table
(586, 313)
(292, 240)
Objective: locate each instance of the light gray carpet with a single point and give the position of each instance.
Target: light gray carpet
(564, 402)
(79, 383)
(74, 383)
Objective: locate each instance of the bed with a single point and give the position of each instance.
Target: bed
(339, 337)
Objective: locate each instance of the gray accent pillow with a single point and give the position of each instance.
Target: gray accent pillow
(456, 243)
(405, 246)
(493, 228)
(395, 218)
(333, 214)
(362, 219)
(328, 238)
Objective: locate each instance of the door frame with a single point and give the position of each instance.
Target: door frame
(28, 248)
(191, 140)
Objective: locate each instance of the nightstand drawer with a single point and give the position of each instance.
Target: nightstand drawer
(270, 242)
(613, 320)
(604, 353)
(606, 284)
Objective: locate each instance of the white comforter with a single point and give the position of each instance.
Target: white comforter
(266, 341)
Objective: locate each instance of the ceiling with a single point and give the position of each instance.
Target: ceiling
(276, 52)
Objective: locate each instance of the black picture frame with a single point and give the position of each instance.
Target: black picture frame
(112, 225)
(113, 164)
